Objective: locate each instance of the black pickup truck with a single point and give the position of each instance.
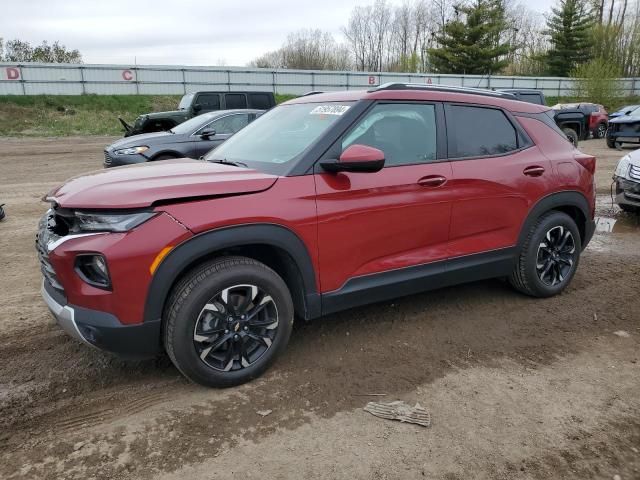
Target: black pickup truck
(197, 103)
(574, 122)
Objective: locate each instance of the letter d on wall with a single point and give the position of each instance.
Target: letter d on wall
(13, 73)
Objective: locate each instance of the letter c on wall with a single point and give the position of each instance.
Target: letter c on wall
(127, 75)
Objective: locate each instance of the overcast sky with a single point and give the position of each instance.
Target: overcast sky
(205, 32)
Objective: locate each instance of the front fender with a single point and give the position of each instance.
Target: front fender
(204, 244)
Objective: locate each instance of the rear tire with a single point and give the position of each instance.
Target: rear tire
(600, 131)
(572, 135)
(227, 321)
(549, 257)
(611, 143)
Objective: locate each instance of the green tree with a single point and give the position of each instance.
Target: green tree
(21, 51)
(597, 81)
(473, 42)
(570, 29)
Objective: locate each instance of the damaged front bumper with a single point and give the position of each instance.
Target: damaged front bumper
(627, 192)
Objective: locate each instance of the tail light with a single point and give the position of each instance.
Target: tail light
(587, 161)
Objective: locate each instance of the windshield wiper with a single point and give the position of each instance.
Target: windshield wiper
(224, 161)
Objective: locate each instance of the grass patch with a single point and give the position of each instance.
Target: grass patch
(64, 115)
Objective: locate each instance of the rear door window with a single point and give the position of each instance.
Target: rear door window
(230, 124)
(235, 100)
(260, 101)
(479, 132)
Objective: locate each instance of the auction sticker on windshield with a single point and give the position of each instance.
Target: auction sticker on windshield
(329, 110)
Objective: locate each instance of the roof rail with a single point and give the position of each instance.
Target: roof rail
(440, 88)
(312, 92)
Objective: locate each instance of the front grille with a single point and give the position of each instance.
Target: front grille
(43, 238)
(630, 129)
(107, 159)
(634, 172)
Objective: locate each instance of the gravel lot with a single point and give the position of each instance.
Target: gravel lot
(517, 388)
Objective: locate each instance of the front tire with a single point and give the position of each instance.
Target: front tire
(611, 143)
(629, 208)
(227, 321)
(549, 257)
(164, 156)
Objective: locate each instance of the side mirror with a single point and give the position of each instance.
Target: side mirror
(207, 132)
(356, 158)
(196, 107)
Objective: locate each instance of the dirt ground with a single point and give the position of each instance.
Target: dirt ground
(517, 388)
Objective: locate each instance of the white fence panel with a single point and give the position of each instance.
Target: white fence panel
(35, 78)
(11, 88)
(37, 74)
(159, 76)
(161, 89)
(201, 77)
(111, 88)
(62, 88)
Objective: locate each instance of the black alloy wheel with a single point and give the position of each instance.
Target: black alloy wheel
(235, 328)
(555, 256)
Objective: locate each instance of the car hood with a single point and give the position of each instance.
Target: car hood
(625, 119)
(168, 113)
(143, 185)
(145, 139)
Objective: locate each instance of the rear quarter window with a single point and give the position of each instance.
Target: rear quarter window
(479, 132)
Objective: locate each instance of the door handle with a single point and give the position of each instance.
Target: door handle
(432, 181)
(533, 171)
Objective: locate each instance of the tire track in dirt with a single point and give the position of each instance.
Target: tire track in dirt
(325, 369)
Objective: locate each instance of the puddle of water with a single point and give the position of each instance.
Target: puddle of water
(622, 224)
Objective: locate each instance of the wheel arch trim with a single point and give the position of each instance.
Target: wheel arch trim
(556, 201)
(173, 153)
(212, 241)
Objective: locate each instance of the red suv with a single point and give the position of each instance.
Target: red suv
(326, 202)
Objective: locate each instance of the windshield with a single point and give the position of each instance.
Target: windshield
(193, 124)
(280, 135)
(186, 101)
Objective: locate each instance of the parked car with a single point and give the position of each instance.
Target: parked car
(624, 129)
(593, 121)
(190, 139)
(526, 95)
(197, 103)
(626, 110)
(574, 122)
(324, 203)
(627, 180)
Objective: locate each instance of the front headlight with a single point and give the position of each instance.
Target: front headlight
(131, 150)
(623, 167)
(109, 222)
